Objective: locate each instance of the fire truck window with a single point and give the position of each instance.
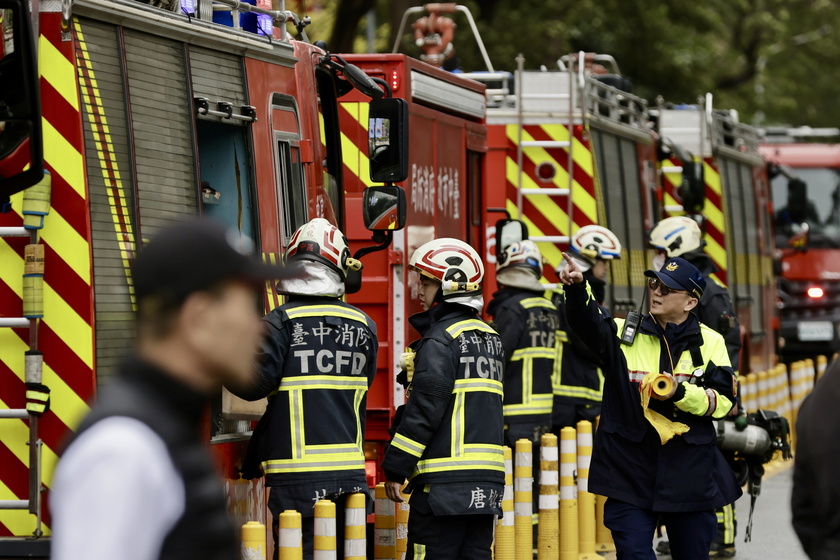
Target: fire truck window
(293, 187)
(820, 209)
(291, 182)
(227, 189)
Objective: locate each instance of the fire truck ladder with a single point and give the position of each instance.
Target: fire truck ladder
(546, 93)
(36, 203)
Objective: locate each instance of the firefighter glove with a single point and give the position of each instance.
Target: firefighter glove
(407, 363)
(37, 398)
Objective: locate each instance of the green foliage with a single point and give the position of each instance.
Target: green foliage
(769, 59)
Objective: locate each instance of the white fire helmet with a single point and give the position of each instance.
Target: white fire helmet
(456, 265)
(676, 236)
(320, 241)
(522, 254)
(596, 242)
(590, 243)
(319, 252)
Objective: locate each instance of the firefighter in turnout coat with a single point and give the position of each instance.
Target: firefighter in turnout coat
(667, 379)
(318, 360)
(449, 441)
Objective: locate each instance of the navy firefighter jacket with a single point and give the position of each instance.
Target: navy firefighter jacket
(629, 463)
(451, 431)
(317, 361)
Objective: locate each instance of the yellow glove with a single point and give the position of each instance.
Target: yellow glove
(665, 428)
(407, 363)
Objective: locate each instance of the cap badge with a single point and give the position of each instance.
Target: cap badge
(671, 266)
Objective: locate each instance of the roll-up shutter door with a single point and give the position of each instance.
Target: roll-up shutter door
(112, 212)
(618, 173)
(218, 77)
(161, 113)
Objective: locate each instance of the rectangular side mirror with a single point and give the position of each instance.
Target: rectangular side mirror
(388, 140)
(509, 232)
(383, 208)
(21, 149)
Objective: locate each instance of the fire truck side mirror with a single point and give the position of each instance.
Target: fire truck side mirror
(383, 208)
(21, 150)
(388, 140)
(509, 232)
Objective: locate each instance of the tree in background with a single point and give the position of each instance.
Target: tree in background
(769, 59)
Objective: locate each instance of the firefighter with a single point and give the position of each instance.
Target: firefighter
(680, 236)
(667, 379)
(449, 441)
(577, 371)
(526, 322)
(317, 362)
(137, 481)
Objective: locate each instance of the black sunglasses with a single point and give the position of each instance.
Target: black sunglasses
(656, 284)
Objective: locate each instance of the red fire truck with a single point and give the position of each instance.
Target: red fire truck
(806, 198)
(712, 171)
(149, 114)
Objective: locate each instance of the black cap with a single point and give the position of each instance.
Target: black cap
(192, 256)
(679, 274)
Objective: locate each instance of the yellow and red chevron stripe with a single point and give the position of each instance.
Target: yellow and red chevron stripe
(65, 335)
(549, 215)
(713, 211)
(353, 116)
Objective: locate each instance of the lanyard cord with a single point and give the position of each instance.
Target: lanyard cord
(665, 340)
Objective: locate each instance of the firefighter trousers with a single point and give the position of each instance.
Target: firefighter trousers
(446, 537)
(690, 533)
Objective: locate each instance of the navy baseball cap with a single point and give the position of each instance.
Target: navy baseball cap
(679, 274)
(195, 255)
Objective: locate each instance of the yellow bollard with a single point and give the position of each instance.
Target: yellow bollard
(763, 390)
(603, 537)
(324, 546)
(523, 505)
(355, 542)
(549, 526)
(809, 377)
(290, 538)
(403, 511)
(505, 540)
(253, 541)
(568, 495)
(384, 526)
(585, 500)
(750, 398)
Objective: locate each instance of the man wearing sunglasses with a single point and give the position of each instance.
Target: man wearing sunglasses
(667, 378)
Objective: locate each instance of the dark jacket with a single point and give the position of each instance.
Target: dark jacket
(816, 486)
(175, 412)
(527, 323)
(577, 372)
(452, 426)
(688, 473)
(317, 362)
